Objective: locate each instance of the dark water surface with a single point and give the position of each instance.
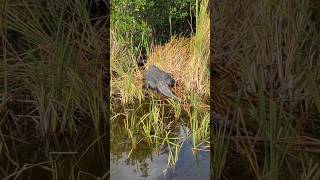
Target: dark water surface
(82, 156)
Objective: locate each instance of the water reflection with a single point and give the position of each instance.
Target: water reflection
(82, 156)
(153, 165)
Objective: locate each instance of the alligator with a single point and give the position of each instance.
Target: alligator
(161, 81)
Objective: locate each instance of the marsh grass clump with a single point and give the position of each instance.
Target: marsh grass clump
(144, 125)
(266, 65)
(124, 71)
(179, 54)
(51, 90)
(53, 63)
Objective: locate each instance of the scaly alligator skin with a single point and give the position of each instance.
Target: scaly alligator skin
(160, 81)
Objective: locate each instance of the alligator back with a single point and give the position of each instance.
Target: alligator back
(154, 74)
(160, 80)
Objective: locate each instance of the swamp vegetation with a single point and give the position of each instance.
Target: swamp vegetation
(265, 90)
(145, 125)
(53, 118)
(266, 65)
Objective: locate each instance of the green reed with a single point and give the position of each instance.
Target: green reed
(53, 63)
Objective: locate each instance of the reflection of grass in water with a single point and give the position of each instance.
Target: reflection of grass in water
(150, 125)
(76, 157)
(173, 151)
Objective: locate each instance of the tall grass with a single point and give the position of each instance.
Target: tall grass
(266, 65)
(124, 70)
(199, 63)
(52, 63)
(145, 126)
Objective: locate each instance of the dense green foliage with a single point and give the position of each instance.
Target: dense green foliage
(142, 20)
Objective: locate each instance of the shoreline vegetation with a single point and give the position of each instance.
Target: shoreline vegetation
(266, 84)
(52, 114)
(187, 59)
(52, 64)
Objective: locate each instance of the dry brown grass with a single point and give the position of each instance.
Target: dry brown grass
(187, 59)
(173, 57)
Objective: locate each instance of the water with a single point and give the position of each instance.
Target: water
(153, 165)
(82, 156)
